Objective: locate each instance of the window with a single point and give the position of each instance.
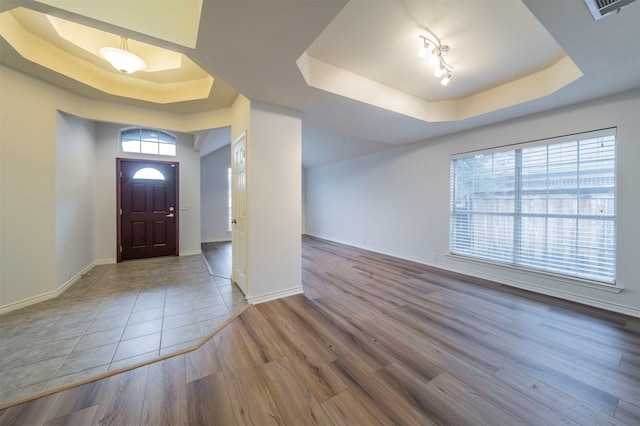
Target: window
(547, 206)
(147, 141)
(148, 173)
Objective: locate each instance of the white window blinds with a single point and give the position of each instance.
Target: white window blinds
(548, 205)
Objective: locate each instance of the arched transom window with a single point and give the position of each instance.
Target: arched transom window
(147, 141)
(148, 173)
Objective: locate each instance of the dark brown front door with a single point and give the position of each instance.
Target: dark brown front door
(148, 211)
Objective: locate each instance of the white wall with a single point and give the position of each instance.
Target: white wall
(214, 195)
(107, 150)
(274, 203)
(75, 186)
(397, 201)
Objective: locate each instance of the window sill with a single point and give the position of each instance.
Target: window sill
(540, 274)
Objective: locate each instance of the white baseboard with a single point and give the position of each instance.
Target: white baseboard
(255, 300)
(190, 252)
(226, 240)
(45, 296)
(560, 294)
(105, 262)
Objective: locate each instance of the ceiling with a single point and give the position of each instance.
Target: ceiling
(351, 67)
(378, 64)
(73, 50)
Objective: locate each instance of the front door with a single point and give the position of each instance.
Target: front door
(148, 217)
(239, 204)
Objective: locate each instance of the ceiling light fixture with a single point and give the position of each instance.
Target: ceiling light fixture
(433, 49)
(122, 59)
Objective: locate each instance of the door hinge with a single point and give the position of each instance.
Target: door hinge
(120, 212)
(120, 173)
(120, 249)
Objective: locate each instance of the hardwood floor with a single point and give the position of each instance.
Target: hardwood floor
(218, 258)
(377, 341)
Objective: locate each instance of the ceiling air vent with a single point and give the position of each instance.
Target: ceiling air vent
(601, 8)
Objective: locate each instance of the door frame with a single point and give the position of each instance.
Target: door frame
(119, 162)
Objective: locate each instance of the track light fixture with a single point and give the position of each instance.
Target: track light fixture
(434, 50)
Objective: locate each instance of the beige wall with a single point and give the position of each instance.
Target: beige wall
(28, 204)
(214, 195)
(31, 267)
(27, 186)
(75, 186)
(239, 117)
(107, 151)
(273, 139)
(274, 203)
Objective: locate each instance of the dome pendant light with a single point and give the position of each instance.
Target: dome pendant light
(122, 59)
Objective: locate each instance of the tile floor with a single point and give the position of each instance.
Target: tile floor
(115, 316)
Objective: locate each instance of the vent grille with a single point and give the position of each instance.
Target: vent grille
(601, 8)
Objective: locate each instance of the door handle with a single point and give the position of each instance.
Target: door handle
(234, 221)
(170, 215)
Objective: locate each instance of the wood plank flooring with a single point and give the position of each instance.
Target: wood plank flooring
(379, 341)
(218, 258)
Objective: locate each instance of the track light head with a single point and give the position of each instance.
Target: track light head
(445, 79)
(424, 50)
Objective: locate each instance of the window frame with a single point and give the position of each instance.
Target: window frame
(518, 213)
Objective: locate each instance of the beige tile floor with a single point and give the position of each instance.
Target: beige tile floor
(114, 317)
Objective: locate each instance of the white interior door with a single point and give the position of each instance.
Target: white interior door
(239, 204)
